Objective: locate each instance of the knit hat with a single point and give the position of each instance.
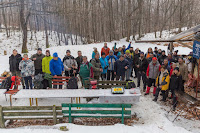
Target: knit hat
(103, 54)
(163, 50)
(68, 51)
(154, 58)
(176, 68)
(48, 51)
(141, 52)
(55, 54)
(39, 49)
(111, 51)
(128, 52)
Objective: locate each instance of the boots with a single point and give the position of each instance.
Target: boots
(154, 91)
(147, 92)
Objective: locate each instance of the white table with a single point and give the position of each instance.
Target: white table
(104, 95)
(2, 91)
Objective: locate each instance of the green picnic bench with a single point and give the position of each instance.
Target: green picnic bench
(115, 111)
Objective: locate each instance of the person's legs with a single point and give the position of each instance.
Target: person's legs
(135, 70)
(123, 77)
(130, 72)
(30, 82)
(26, 82)
(149, 86)
(138, 79)
(174, 102)
(127, 74)
(182, 88)
(144, 79)
(117, 77)
(164, 94)
(156, 94)
(108, 74)
(60, 86)
(113, 75)
(154, 85)
(45, 83)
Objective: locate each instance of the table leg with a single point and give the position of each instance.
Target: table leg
(76, 101)
(30, 101)
(79, 101)
(10, 100)
(36, 101)
(71, 100)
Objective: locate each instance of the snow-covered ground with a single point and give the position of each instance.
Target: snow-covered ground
(151, 115)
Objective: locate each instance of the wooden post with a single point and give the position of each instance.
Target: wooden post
(70, 117)
(122, 114)
(2, 121)
(30, 101)
(10, 100)
(36, 101)
(171, 47)
(54, 115)
(197, 86)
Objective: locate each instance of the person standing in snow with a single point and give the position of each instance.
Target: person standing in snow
(175, 56)
(142, 65)
(104, 65)
(162, 57)
(69, 63)
(105, 49)
(37, 58)
(111, 60)
(129, 58)
(162, 83)
(183, 71)
(46, 70)
(152, 73)
(121, 67)
(148, 53)
(86, 71)
(96, 65)
(27, 71)
(94, 52)
(79, 59)
(135, 59)
(56, 68)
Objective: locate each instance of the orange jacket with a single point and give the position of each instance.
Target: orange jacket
(106, 51)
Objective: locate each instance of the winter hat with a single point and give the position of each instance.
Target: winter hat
(176, 68)
(163, 50)
(111, 51)
(154, 58)
(128, 52)
(55, 54)
(176, 51)
(48, 51)
(39, 49)
(141, 52)
(103, 54)
(68, 51)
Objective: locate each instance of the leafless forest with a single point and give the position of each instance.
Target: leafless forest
(96, 20)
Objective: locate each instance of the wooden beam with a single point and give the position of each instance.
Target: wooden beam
(186, 45)
(149, 41)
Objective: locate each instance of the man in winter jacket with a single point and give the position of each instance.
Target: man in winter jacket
(105, 49)
(46, 70)
(142, 65)
(162, 57)
(104, 65)
(69, 63)
(14, 61)
(37, 58)
(121, 67)
(27, 71)
(129, 58)
(86, 71)
(56, 68)
(96, 65)
(166, 64)
(124, 48)
(152, 73)
(135, 59)
(175, 85)
(79, 59)
(111, 60)
(175, 56)
(162, 83)
(183, 71)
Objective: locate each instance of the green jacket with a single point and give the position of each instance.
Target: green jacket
(86, 70)
(96, 65)
(45, 64)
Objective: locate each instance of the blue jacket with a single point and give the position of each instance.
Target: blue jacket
(104, 64)
(56, 67)
(112, 59)
(120, 67)
(93, 55)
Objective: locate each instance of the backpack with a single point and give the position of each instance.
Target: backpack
(38, 81)
(6, 83)
(72, 83)
(130, 84)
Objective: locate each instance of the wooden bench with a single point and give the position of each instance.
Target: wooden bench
(29, 113)
(60, 80)
(107, 84)
(115, 111)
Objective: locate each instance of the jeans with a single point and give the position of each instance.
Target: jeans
(103, 77)
(122, 77)
(144, 79)
(151, 82)
(28, 82)
(163, 94)
(128, 73)
(110, 73)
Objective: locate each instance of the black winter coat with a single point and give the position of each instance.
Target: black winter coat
(161, 59)
(119, 67)
(14, 62)
(143, 64)
(175, 82)
(79, 61)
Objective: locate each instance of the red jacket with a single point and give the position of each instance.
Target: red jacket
(105, 50)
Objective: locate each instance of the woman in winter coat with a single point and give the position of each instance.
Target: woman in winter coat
(94, 52)
(27, 70)
(175, 85)
(162, 83)
(104, 65)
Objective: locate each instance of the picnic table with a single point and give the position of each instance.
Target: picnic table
(104, 95)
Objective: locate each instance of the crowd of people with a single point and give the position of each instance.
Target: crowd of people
(164, 72)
